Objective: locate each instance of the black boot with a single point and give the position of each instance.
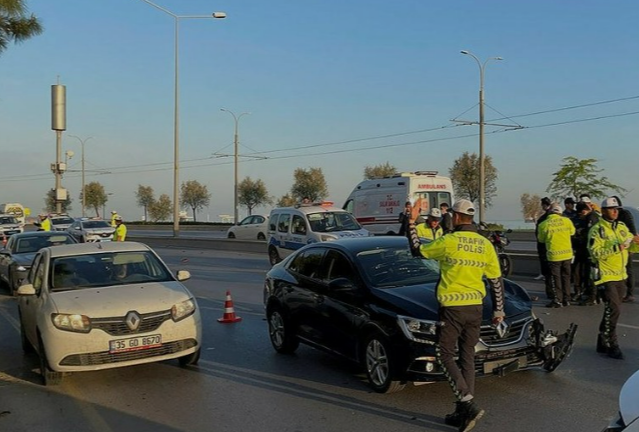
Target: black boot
(470, 413)
(602, 346)
(614, 352)
(455, 418)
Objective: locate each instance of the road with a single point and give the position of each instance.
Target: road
(242, 384)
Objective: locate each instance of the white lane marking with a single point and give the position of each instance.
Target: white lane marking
(628, 326)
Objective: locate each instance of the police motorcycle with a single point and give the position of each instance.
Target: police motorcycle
(627, 420)
(499, 240)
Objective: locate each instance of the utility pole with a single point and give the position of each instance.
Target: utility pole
(236, 142)
(82, 141)
(58, 124)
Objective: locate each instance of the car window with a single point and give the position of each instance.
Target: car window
(392, 267)
(272, 223)
(247, 220)
(258, 219)
(338, 266)
(38, 276)
(298, 226)
(61, 220)
(96, 224)
(282, 225)
(8, 220)
(332, 221)
(307, 263)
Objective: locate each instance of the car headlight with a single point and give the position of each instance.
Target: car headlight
(72, 322)
(182, 310)
(418, 330)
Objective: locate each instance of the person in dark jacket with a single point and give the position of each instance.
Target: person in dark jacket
(570, 211)
(626, 217)
(447, 218)
(404, 218)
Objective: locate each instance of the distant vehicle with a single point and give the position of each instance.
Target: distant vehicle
(291, 228)
(377, 203)
(9, 225)
(89, 307)
(17, 256)
(89, 230)
(371, 301)
(61, 222)
(250, 228)
(14, 209)
(627, 419)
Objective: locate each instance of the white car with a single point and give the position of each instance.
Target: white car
(104, 305)
(253, 227)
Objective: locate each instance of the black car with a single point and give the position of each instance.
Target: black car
(371, 301)
(18, 254)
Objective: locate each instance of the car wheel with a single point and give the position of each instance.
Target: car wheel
(27, 348)
(190, 359)
(49, 377)
(378, 362)
(280, 332)
(506, 264)
(231, 235)
(273, 256)
(261, 236)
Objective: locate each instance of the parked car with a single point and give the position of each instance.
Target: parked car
(61, 222)
(90, 230)
(250, 228)
(17, 255)
(9, 225)
(96, 306)
(369, 300)
(627, 419)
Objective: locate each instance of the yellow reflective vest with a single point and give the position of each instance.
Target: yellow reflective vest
(113, 216)
(46, 225)
(424, 231)
(464, 257)
(604, 244)
(120, 233)
(556, 233)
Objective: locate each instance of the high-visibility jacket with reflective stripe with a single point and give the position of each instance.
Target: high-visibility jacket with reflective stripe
(46, 225)
(120, 233)
(604, 244)
(556, 232)
(424, 231)
(464, 258)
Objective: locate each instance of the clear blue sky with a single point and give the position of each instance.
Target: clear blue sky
(312, 73)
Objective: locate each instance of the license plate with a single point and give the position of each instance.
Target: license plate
(134, 344)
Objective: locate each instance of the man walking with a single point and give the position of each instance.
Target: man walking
(609, 242)
(465, 257)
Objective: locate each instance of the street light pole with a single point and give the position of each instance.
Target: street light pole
(82, 141)
(236, 145)
(482, 166)
(176, 114)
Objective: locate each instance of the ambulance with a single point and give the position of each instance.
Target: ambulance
(377, 203)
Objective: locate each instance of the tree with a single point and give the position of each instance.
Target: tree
(286, 201)
(465, 177)
(161, 209)
(15, 25)
(144, 197)
(378, 171)
(252, 194)
(195, 195)
(50, 204)
(309, 184)
(530, 206)
(581, 176)
(96, 196)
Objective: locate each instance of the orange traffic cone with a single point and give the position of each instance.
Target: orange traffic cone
(229, 312)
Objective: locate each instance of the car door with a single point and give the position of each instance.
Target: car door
(75, 230)
(5, 260)
(247, 227)
(30, 305)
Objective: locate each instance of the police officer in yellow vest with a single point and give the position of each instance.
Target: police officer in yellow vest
(556, 233)
(430, 229)
(45, 223)
(120, 230)
(609, 242)
(465, 257)
(114, 215)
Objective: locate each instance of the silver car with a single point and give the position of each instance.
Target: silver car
(61, 223)
(9, 225)
(90, 230)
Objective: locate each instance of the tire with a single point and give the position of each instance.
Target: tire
(49, 377)
(378, 362)
(273, 256)
(261, 236)
(280, 332)
(231, 236)
(190, 359)
(506, 264)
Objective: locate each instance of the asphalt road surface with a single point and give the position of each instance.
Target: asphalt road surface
(241, 384)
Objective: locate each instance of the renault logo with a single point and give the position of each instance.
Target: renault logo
(502, 329)
(132, 320)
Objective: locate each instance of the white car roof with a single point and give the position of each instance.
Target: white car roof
(309, 209)
(98, 247)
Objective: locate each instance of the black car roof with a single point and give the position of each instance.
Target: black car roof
(356, 245)
(39, 234)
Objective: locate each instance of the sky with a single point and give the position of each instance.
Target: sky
(333, 84)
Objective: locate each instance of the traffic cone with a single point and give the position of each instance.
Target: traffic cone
(229, 312)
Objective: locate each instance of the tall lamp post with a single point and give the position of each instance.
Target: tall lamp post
(176, 116)
(482, 167)
(82, 141)
(236, 145)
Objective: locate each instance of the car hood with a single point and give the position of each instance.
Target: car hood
(99, 230)
(117, 300)
(24, 258)
(420, 301)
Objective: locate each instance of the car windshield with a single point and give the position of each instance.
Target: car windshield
(332, 221)
(394, 267)
(95, 224)
(62, 221)
(106, 269)
(35, 243)
(8, 220)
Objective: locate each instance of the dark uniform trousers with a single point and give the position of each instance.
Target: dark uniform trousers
(630, 282)
(613, 294)
(544, 269)
(461, 328)
(560, 273)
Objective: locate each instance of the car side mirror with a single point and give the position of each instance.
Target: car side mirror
(26, 290)
(183, 275)
(341, 285)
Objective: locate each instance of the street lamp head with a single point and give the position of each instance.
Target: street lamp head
(219, 15)
(499, 58)
(464, 52)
